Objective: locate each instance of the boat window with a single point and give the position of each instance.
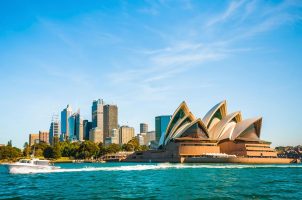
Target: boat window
(44, 162)
(24, 161)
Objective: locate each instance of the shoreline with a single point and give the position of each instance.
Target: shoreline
(213, 160)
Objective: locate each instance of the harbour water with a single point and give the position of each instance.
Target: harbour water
(155, 181)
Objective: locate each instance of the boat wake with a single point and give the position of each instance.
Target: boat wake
(162, 166)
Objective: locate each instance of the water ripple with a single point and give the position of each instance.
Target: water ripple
(156, 181)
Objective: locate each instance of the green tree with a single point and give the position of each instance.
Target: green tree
(52, 152)
(10, 153)
(39, 148)
(56, 140)
(134, 144)
(144, 148)
(38, 152)
(113, 148)
(87, 149)
(102, 149)
(48, 152)
(69, 149)
(26, 150)
(127, 147)
(57, 151)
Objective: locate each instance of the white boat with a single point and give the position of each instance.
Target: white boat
(33, 165)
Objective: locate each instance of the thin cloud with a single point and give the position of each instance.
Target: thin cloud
(232, 8)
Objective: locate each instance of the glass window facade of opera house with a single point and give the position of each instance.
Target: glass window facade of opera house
(218, 137)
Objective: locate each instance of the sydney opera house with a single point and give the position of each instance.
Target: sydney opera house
(218, 137)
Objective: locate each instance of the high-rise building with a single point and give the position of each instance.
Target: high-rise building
(161, 123)
(141, 138)
(126, 134)
(44, 136)
(143, 127)
(146, 138)
(65, 114)
(33, 138)
(72, 127)
(114, 137)
(110, 119)
(97, 114)
(150, 136)
(86, 128)
(97, 111)
(95, 135)
(54, 130)
(79, 130)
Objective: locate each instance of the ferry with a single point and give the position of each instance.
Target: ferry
(33, 165)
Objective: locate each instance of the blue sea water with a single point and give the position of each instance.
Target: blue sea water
(156, 181)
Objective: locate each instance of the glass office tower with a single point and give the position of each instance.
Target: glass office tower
(161, 123)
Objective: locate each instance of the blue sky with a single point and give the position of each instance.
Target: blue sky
(147, 57)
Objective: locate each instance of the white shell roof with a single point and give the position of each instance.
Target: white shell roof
(207, 118)
(217, 131)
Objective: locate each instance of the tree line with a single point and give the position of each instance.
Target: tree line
(75, 150)
(8, 152)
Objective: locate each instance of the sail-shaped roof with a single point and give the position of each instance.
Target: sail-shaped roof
(248, 129)
(180, 115)
(215, 126)
(219, 128)
(216, 114)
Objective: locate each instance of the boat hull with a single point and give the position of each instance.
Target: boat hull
(27, 169)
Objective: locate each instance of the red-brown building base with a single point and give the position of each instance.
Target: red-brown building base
(185, 150)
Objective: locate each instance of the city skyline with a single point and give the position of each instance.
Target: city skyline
(145, 60)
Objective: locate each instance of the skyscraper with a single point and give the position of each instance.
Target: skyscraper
(141, 139)
(110, 119)
(126, 134)
(72, 127)
(150, 137)
(161, 123)
(65, 114)
(86, 128)
(96, 134)
(54, 129)
(114, 138)
(97, 113)
(143, 127)
(79, 127)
